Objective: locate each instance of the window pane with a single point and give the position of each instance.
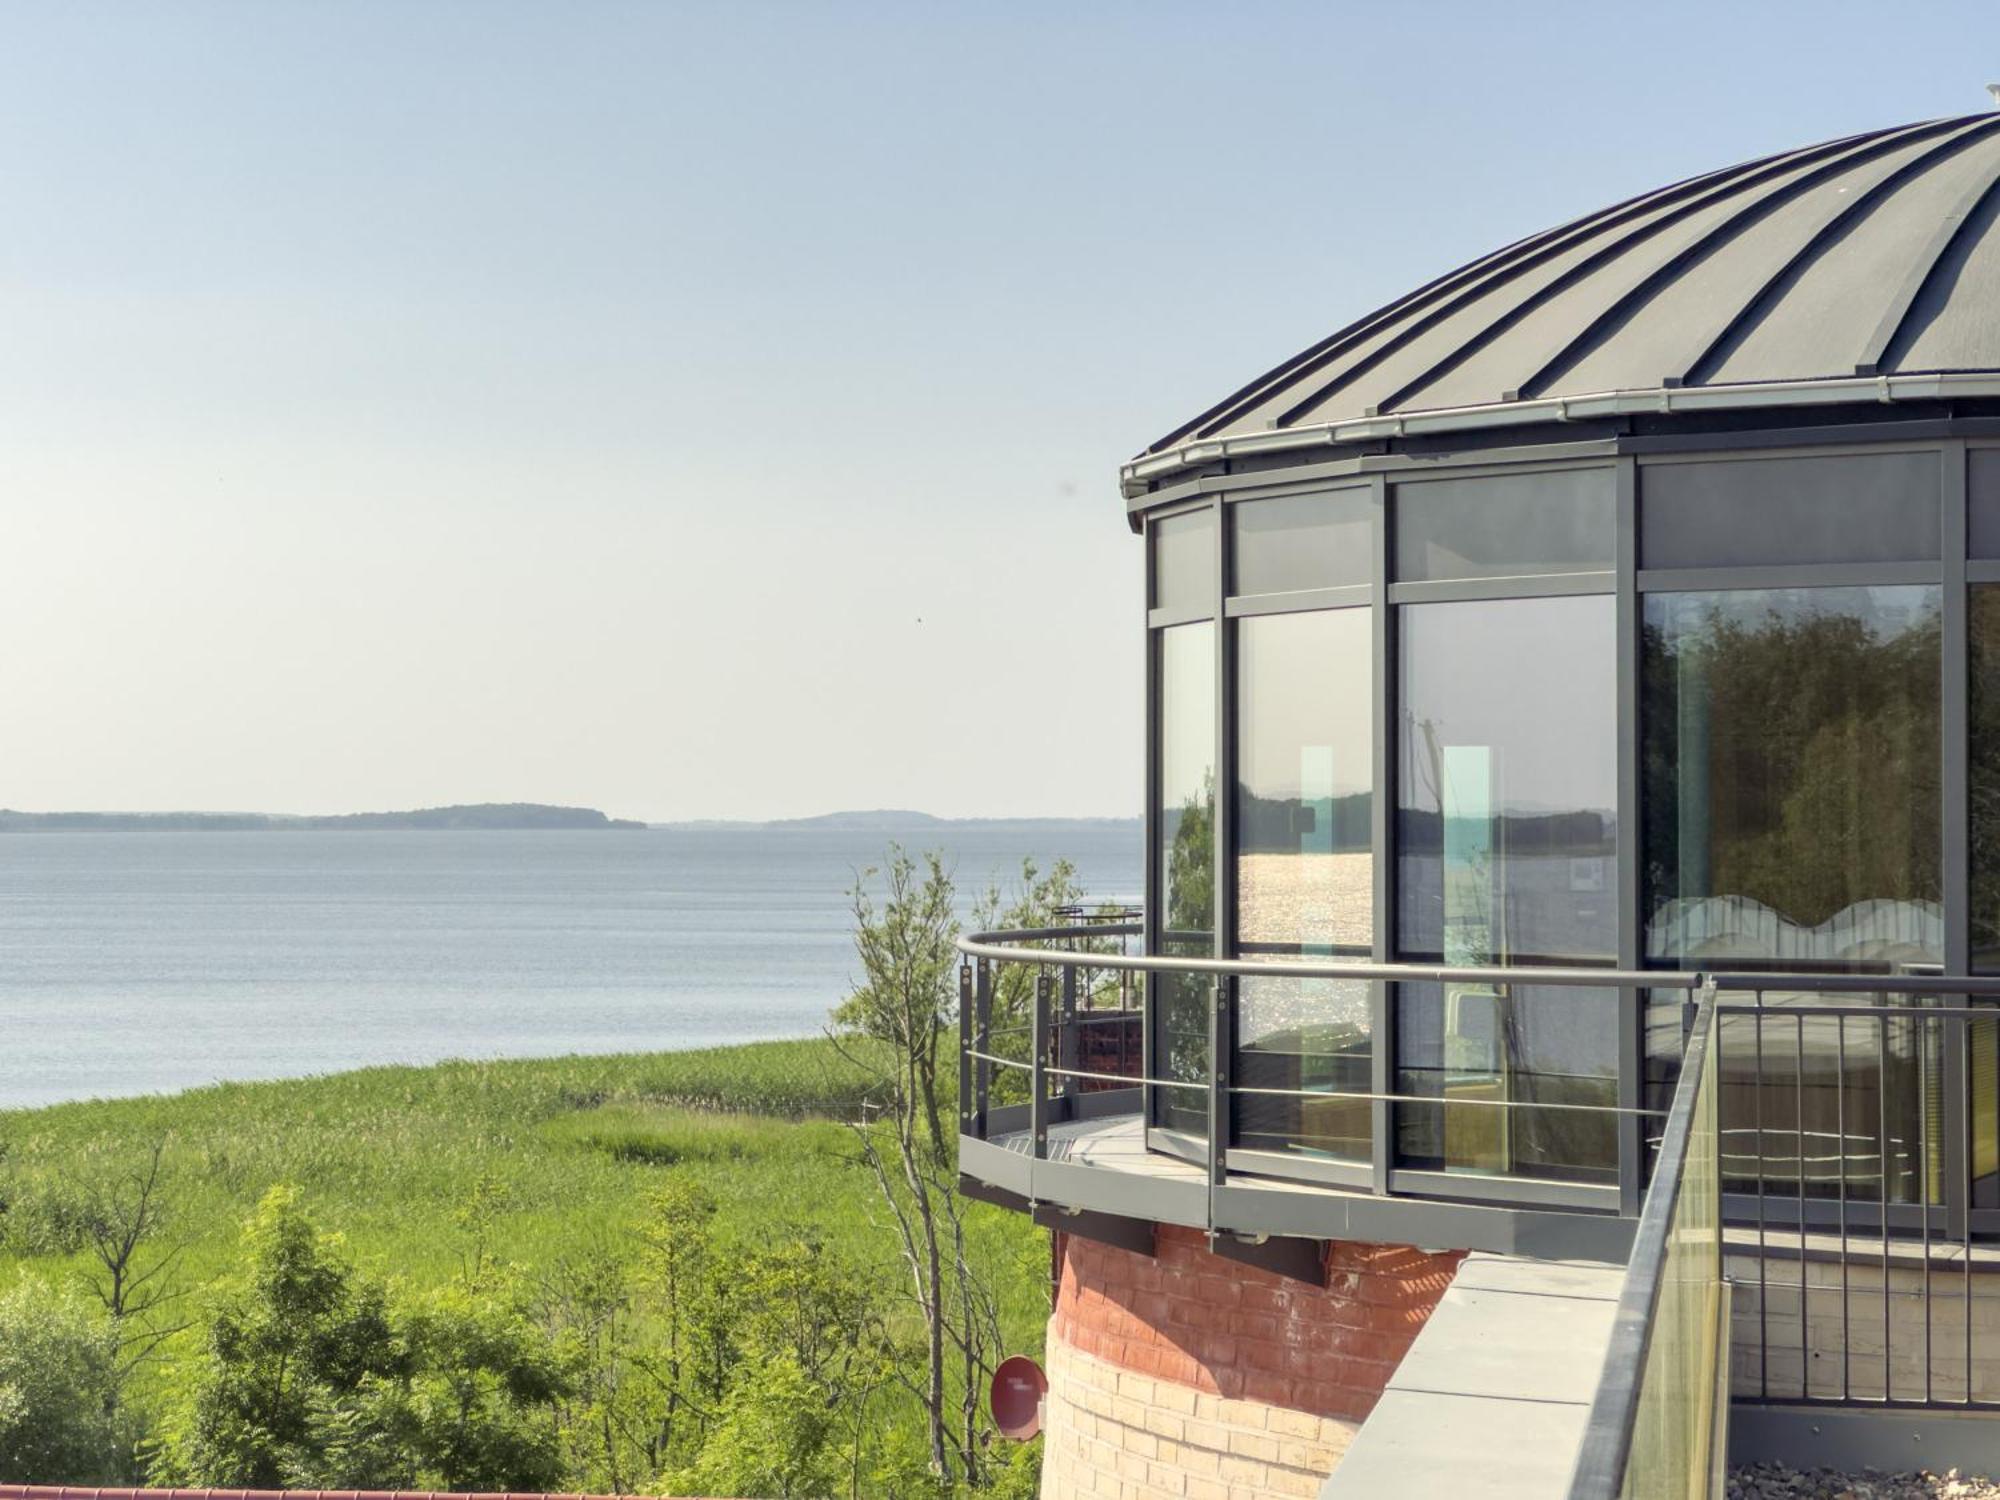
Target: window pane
(1858, 507)
(1791, 766)
(1791, 785)
(1305, 767)
(1543, 1045)
(1501, 527)
(1186, 896)
(1302, 542)
(1508, 782)
(1184, 561)
(1506, 854)
(1312, 1039)
(1982, 497)
(1984, 630)
(1304, 872)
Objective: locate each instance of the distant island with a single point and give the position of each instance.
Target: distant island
(491, 816)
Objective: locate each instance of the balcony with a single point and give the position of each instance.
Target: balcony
(1795, 1174)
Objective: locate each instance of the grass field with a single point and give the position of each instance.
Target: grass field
(390, 1157)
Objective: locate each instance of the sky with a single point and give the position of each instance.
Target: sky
(714, 410)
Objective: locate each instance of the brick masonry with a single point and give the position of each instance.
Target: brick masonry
(1185, 1374)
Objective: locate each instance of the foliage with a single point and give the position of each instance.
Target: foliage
(59, 1411)
(617, 1274)
(907, 1004)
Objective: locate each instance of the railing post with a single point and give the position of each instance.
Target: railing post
(1069, 1044)
(982, 1026)
(1038, 1069)
(965, 1047)
(1221, 1043)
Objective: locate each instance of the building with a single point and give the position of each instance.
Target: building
(1584, 668)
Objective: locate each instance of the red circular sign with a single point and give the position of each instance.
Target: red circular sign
(1018, 1388)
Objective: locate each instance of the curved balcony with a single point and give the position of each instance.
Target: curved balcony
(1850, 1102)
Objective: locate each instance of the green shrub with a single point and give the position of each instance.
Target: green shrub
(59, 1410)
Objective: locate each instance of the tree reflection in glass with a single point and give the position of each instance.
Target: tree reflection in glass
(1186, 899)
(1792, 801)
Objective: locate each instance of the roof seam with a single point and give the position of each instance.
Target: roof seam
(1871, 146)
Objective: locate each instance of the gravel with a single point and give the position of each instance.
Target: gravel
(1769, 1481)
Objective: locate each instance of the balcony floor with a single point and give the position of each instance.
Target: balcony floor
(1102, 1165)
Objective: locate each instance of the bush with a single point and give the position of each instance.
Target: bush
(59, 1415)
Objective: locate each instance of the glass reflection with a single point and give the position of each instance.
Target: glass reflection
(1304, 875)
(1791, 760)
(1186, 898)
(1526, 1044)
(1506, 853)
(1791, 764)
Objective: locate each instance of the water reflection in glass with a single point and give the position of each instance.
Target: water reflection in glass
(1305, 876)
(1506, 854)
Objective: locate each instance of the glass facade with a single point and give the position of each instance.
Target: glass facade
(1506, 840)
(1305, 885)
(1185, 819)
(1780, 807)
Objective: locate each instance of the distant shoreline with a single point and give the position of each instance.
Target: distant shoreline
(515, 817)
(482, 816)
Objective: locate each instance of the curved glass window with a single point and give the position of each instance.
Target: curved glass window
(1186, 865)
(1506, 854)
(1305, 883)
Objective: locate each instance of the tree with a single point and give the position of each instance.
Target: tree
(59, 1385)
(123, 1218)
(907, 1006)
(289, 1345)
(476, 1409)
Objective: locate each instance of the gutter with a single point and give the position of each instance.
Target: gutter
(1134, 477)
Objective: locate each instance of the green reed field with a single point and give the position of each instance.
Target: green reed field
(535, 1163)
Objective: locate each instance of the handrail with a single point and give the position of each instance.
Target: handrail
(1614, 1411)
(999, 947)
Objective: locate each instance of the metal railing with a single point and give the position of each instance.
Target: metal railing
(1861, 1161)
(1858, 1135)
(1030, 998)
(1656, 1422)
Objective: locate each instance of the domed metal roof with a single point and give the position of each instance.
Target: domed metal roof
(1838, 272)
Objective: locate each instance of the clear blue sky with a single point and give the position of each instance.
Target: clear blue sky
(585, 402)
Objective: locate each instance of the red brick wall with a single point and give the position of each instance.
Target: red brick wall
(1232, 1330)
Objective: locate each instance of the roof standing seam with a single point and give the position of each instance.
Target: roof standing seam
(1767, 237)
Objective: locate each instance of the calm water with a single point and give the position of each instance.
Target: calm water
(134, 963)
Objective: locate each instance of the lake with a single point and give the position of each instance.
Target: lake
(149, 962)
